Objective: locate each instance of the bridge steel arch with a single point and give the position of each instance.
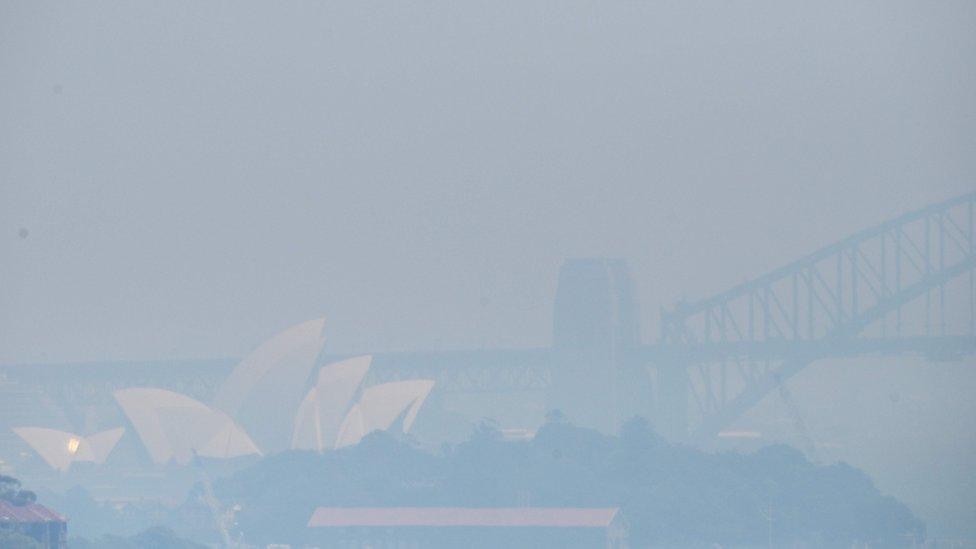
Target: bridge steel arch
(898, 287)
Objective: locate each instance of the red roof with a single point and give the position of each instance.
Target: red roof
(31, 512)
(546, 517)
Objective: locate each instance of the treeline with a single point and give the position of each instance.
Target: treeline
(157, 537)
(12, 492)
(670, 495)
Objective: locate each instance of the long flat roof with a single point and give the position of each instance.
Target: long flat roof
(540, 517)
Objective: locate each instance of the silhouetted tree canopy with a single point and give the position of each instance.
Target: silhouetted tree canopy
(669, 494)
(10, 491)
(157, 537)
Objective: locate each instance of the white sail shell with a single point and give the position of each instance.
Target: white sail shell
(264, 390)
(381, 406)
(321, 412)
(175, 427)
(60, 449)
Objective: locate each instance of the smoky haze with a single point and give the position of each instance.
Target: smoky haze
(180, 180)
(195, 177)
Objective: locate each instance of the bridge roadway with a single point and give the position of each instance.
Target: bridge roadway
(468, 371)
(533, 369)
(833, 303)
(53, 394)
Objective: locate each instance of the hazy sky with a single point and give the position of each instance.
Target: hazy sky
(184, 179)
(195, 176)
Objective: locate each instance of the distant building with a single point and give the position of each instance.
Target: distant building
(35, 521)
(421, 527)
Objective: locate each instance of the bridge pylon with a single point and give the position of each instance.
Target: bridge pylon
(595, 328)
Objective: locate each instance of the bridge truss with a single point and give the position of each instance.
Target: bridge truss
(905, 286)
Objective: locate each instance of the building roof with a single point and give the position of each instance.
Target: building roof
(544, 517)
(30, 513)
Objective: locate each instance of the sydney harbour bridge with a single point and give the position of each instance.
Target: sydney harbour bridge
(904, 287)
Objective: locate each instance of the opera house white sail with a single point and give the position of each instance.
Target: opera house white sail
(176, 427)
(263, 391)
(259, 407)
(321, 412)
(380, 406)
(60, 448)
(331, 415)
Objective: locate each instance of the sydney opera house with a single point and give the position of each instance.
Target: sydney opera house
(58, 421)
(273, 400)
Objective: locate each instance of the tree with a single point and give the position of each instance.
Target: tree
(10, 491)
(556, 416)
(157, 537)
(637, 435)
